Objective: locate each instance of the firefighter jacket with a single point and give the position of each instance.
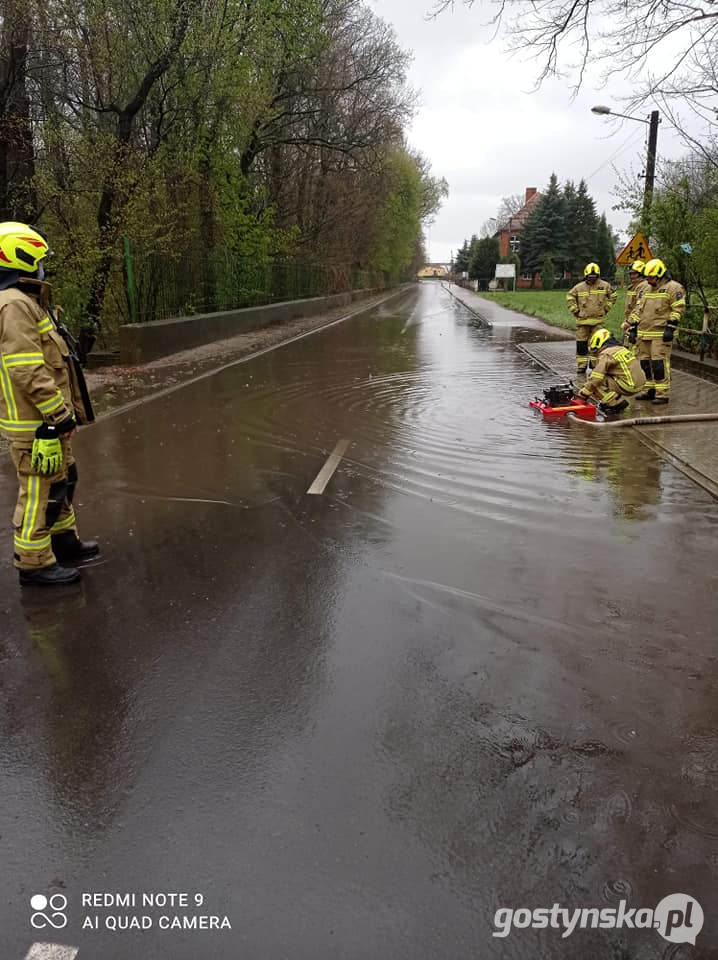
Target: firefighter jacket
(38, 380)
(633, 295)
(590, 303)
(621, 365)
(659, 307)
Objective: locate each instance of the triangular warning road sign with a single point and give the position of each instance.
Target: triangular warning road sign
(637, 249)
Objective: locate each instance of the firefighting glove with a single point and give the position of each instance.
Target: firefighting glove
(46, 458)
(46, 451)
(633, 333)
(668, 334)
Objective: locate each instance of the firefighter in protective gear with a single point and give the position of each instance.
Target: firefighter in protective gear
(616, 374)
(657, 313)
(637, 286)
(589, 301)
(43, 398)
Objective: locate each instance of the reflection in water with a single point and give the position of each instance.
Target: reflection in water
(479, 670)
(632, 471)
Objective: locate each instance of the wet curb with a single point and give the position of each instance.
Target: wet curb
(485, 322)
(166, 391)
(693, 364)
(683, 466)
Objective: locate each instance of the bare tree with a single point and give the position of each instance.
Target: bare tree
(508, 208)
(637, 41)
(17, 160)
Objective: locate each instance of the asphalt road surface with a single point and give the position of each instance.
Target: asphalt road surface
(477, 671)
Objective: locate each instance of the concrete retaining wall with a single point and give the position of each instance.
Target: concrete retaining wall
(692, 363)
(141, 342)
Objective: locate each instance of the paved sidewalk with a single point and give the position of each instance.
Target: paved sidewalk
(499, 316)
(691, 447)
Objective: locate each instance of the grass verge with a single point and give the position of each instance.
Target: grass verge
(550, 305)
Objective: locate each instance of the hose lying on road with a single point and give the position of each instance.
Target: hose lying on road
(646, 421)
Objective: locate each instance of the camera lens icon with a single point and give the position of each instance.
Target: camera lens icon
(48, 911)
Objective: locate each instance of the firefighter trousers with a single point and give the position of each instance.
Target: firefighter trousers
(655, 358)
(612, 391)
(44, 506)
(584, 332)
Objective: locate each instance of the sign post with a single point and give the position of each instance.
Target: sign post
(506, 271)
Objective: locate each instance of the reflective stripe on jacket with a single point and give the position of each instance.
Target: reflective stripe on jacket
(622, 365)
(589, 304)
(659, 307)
(633, 295)
(34, 376)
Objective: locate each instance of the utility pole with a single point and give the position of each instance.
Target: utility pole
(650, 172)
(652, 124)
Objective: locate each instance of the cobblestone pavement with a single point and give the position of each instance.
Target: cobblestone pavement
(691, 447)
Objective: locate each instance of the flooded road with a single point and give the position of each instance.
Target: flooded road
(478, 671)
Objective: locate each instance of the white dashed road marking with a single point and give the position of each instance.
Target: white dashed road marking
(327, 471)
(51, 951)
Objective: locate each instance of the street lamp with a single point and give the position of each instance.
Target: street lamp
(652, 124)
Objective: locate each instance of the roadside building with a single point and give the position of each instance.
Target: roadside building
(433, 271)
(509, 233)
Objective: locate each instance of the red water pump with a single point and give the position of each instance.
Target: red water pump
(560, 400)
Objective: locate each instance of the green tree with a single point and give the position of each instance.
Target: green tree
(684, 215)
(605, 249)
(529, 253)
(546, 230)
(484, 257)
(570, 204)
(547, 274)
(461, 263)
(399, 219)
(583, 227)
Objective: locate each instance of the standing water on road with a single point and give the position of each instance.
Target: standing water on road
(477, 672)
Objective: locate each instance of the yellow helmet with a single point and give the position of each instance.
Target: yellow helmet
(21, 247)
(638, 266)
(655, 268)
(592, 270)
(598, 339)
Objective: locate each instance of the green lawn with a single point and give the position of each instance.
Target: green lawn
(550, 305)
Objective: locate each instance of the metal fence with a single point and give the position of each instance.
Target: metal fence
(697, 332)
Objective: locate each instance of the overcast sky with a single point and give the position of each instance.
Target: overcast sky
(490, 136)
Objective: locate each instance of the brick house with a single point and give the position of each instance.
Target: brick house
(510, 234)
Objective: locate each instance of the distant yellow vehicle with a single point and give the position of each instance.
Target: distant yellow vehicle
(433, 270)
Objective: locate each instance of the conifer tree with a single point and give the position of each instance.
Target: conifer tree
(584, 230)
(570, 205)
(605, 249)
(461, 263)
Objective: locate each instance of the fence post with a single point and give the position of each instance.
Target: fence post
(130, 278)
(704, 332)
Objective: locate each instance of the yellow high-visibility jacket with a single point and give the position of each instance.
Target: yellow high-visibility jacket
(35, 383)
(621, 365)
(659, 307)
(590, 304)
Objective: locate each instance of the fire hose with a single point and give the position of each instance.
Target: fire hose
(646, 421)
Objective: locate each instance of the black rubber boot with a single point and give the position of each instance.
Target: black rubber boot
(650, 394)
(68, 548)
(54, 576)
(659, 400)
(615, 409)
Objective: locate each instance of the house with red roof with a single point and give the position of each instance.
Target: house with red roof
(509, 233)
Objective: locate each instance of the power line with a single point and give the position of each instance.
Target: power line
(631, 139)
